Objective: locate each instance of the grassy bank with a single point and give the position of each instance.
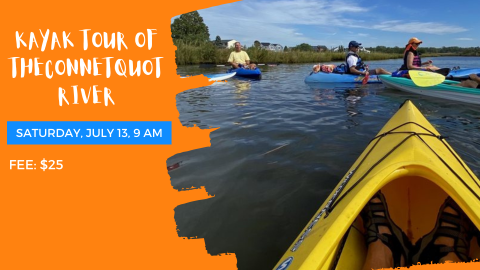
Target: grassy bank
(188, 54)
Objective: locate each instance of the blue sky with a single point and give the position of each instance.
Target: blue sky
(332, 23)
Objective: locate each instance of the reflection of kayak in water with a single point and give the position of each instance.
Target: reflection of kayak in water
(414, 168)
(218, 77)
(241, 86)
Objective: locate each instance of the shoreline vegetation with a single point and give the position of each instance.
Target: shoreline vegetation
(208, 53)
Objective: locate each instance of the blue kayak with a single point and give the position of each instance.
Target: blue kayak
(247, 73)
(323, 77)
(462, 73)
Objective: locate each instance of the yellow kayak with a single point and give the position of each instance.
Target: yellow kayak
(415, 169)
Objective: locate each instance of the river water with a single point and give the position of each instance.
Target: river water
(282, 147)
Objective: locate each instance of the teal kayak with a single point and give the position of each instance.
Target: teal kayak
(447, 90)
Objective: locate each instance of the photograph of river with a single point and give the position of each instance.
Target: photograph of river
(283, 145)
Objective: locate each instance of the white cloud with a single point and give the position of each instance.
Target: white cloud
(290, 22)
(465, 39)
(418, 27)
(277, 21)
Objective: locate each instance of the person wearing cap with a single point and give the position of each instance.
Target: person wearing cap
(411, 57)
(355, 64)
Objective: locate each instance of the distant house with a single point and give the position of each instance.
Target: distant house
(338, 49)
(271, 46)
(226, 43)
(319, 48)
(362, 49)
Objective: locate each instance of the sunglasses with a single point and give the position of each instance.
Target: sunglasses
(417, 43)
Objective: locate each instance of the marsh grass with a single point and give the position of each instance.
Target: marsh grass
(194, 54)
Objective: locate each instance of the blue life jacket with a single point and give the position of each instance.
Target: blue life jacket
(360, 65)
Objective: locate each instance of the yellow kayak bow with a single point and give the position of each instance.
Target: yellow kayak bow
(414, 167)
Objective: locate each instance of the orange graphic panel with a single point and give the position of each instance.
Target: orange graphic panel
(109, 206)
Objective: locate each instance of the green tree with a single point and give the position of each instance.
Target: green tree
(218, 41)
(285, 49)
(190, 28)
(256, 43)
(304, 47)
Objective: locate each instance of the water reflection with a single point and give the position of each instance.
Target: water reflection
(272, 163)
(351, 94)
(241, 91)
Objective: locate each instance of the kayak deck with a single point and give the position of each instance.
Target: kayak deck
(415, 169)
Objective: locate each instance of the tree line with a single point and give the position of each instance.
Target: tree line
(453, 50)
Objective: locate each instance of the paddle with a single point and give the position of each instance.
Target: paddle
(367, 75)
(425, 78)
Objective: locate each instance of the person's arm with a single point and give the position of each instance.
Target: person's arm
(247, 59)
(353, 70)
(428, 63)
(231, 61)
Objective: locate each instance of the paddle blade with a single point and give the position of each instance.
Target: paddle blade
(365, 80)
(425, 78)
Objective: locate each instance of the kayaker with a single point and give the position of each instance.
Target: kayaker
(388, 246)
(412, 60)
(239, 58)
(473, 82)
(355, 64)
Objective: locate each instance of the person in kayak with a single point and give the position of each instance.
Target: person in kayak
(355, 64)
(412, 60)
(388, 245)
(239, 58)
